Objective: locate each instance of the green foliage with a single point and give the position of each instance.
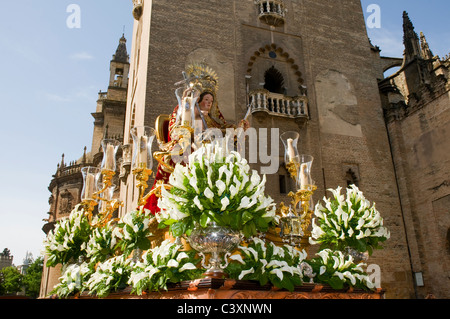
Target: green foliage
(132, 231)
(73, 280)
(162, 265)
(10, 280)
(32, 278)
(337, 270)
(109, 276)
(219, 190)
(279, 266)
(348, 221)
(66, 242)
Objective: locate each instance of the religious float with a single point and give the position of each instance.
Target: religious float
(214, 233)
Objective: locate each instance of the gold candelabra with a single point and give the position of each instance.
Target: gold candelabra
(91, 197)
(296, 218)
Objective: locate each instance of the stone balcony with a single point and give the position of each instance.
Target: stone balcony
(278, 104)
(271, 12)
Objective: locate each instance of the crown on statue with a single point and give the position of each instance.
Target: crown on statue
(202, 77)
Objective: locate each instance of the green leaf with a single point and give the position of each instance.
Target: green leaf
(336, 283)
(177, 229)
(246, 217)
(204, 219)
(143, 243)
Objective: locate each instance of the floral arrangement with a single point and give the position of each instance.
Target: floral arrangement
(216, 188)
(102, 243)
(337, 270)
(132, 231)
(348, 221)
(280, 266)
(72, 280)
(67, 241)
(162, 265)
(110, 275)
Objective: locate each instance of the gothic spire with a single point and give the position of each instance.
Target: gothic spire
(426, 51)
(121, 54)
(410, 39)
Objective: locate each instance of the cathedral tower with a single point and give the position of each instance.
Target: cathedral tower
(305, 66)
(67, 183)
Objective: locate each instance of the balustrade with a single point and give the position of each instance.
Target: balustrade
(278, 104)
(272, 12)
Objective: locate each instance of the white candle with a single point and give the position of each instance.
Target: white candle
(143, 150)
(89, 186)
(303, 176)
(186, 115)
(109, 161)
(291, 151)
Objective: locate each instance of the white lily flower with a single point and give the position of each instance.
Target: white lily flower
(277, 272)
(322, 270)
(324, 255)
(221, 187)
(225, 202)
(187, 266)
(209, 173)
(182, 256)
(339, 274)
(197, 203)
(349, 275)
(193, 183)
(233, 191)
(360, 235)
(246, 272)
(244, 203)
(350, 232)
(208, 194)
(172, 263)
(237, 258)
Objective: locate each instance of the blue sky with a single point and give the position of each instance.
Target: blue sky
(51, 75)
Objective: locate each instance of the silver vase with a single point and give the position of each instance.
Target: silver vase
(358, 256)
(217, 241)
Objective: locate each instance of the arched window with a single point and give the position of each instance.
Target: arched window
(274, 81)
(351, 178)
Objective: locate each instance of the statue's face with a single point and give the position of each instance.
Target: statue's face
(206, 103)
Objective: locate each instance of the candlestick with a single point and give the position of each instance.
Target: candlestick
(109, 162)
(89, 186)
(304, 179)
(291, 151)
(110, 147)
(143, 150)
(186, 115)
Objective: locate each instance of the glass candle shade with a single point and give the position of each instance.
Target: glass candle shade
(91, 176)
(110, 148)
(291, 156)
(143, 137)
(186, 106)
(304, 180)
(290, 142)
